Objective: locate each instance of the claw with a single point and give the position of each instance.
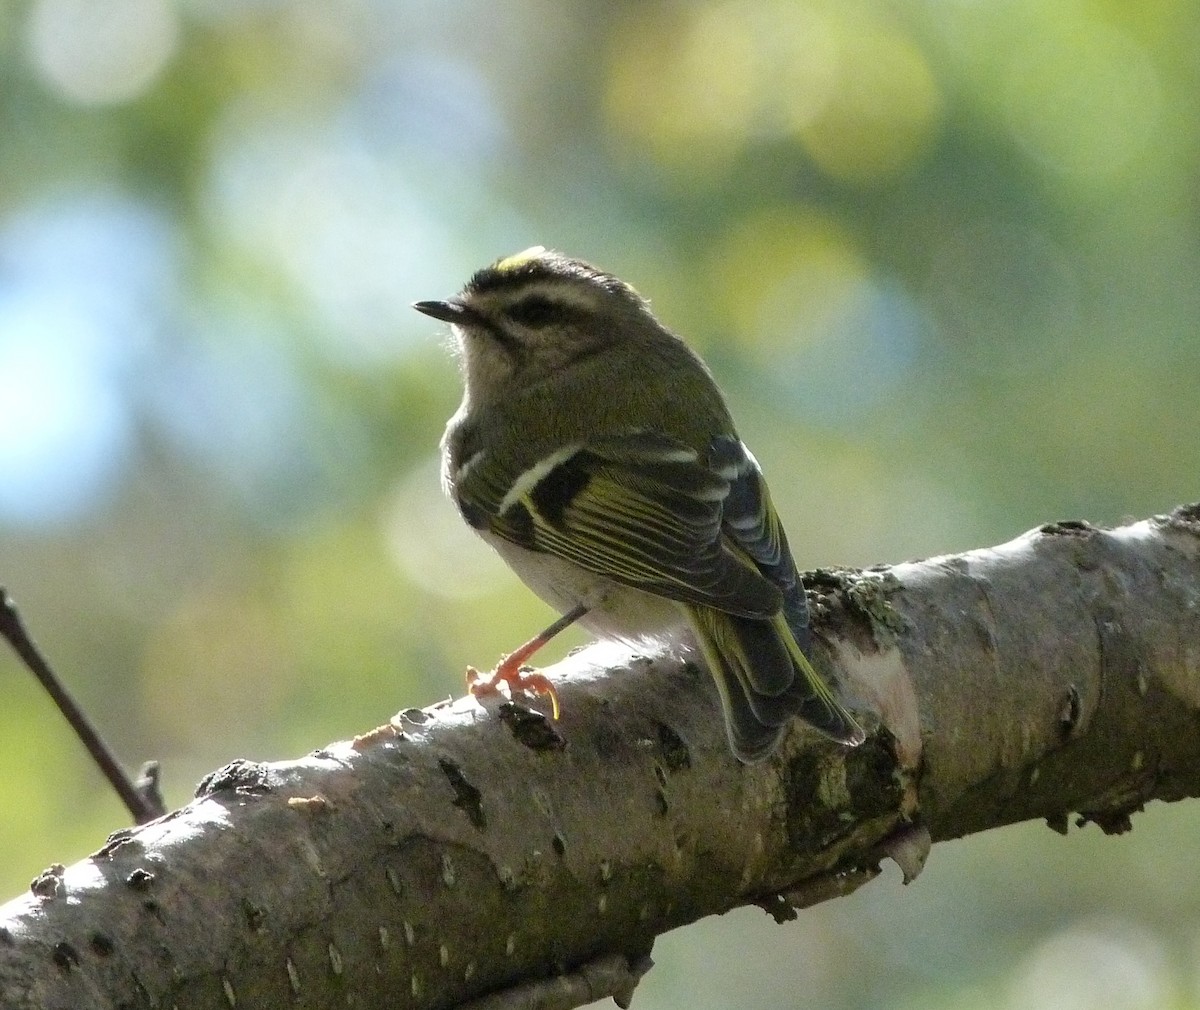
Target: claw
(511, 669)
(515, 676)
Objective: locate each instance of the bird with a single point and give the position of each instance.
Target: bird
(594, 451)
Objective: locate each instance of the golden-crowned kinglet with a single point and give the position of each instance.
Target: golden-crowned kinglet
(595, 453)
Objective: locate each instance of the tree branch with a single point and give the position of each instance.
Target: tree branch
(142, 797)
(461, 854)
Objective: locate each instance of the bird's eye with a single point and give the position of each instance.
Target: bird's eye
(535, 311)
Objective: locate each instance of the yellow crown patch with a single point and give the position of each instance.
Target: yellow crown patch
(519, 259)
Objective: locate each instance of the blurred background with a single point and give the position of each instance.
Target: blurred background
(942, 255)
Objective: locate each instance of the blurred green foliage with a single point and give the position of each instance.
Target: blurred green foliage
(942, 255)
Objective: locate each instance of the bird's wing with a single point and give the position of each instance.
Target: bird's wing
(642, 509)
(753, 526)
(748, 517)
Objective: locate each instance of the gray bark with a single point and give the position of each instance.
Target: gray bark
(487, 856)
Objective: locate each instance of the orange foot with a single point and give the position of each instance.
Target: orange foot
(510, 671)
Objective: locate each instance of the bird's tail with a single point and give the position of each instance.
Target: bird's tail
(764, 679)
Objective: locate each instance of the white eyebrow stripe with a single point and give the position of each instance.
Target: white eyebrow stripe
(528, 480)
(466, 464)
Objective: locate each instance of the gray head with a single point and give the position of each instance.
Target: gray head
(535, 313)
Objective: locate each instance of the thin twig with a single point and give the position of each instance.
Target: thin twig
(142, 805)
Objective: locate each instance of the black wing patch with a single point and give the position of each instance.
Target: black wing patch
(645, 511)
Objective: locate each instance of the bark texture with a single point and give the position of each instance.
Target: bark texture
(490, 857)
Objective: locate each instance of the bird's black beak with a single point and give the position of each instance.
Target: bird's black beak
(447, 312)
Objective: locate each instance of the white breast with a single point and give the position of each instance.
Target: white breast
(614, 611)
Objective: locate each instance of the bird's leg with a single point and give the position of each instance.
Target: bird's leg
(508, 670)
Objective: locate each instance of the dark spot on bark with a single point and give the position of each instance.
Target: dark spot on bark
(873, 785)
(1069, 711)
(532, 728)
(559, 845)
(102, 945)
(674, 751)
(661, 803)
(65, 956)
(241, 777)
(255, 915)
(140, 879)
(467, 798)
